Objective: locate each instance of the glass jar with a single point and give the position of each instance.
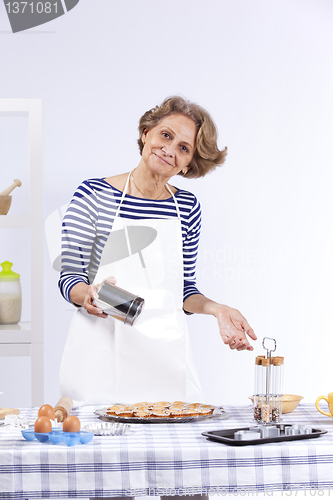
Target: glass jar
(10, 295)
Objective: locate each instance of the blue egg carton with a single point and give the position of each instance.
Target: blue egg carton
(57, 436)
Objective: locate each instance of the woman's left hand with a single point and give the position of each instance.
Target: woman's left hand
(234, 328)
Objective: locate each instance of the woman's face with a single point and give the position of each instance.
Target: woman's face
(169, 146)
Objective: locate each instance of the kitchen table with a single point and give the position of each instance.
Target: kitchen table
(166, 459)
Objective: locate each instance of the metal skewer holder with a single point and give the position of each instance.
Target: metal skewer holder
(268, 393)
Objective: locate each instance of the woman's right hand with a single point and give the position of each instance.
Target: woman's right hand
(84, 295)
(88, 302)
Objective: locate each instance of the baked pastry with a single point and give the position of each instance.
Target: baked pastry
(157, 413)
(193, 405)
(179, 413)
(165, 404)
(192, 411)
(112, 410)
(160, 409)
(205, 410)
(144, 413)
(125, 413)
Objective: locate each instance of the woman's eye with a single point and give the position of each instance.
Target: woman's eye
(165, 134)
(184, 149)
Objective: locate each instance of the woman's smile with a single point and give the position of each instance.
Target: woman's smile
(162, 159)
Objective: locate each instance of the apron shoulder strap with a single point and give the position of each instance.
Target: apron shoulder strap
(176, 202)
(125, 191)
(123, 195)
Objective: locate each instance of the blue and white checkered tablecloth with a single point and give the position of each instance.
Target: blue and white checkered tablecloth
(165, 459)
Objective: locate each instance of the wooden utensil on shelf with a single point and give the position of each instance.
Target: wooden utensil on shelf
(5, 199)
(63, 408)
(8, 411)
(16, 183)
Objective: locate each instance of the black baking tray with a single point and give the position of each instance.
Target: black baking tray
(226, 436)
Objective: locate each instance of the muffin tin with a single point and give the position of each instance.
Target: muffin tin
(263, 434)
(108, 428)
(57, 436)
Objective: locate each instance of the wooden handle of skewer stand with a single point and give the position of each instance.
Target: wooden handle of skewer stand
(63, 408)
(17, 183)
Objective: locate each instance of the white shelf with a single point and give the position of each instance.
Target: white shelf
(26, 339)
(22, 326)
(15, 350)
(15, 334)
(9, 221)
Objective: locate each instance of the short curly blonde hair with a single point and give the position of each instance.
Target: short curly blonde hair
(207, 155)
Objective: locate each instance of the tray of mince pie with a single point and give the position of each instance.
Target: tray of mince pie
(160, 412)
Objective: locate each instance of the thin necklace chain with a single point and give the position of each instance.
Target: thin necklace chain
(141, 191)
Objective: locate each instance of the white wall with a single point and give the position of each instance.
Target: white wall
(264, 71)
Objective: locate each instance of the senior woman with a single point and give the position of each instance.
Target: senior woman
(105, 360)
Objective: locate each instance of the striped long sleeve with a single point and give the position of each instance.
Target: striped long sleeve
(89, 218)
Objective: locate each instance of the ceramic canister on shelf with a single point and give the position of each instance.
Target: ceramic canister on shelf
(10, 295)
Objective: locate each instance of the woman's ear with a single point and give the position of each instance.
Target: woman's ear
(144, 136)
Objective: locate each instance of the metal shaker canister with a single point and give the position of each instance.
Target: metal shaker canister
(119, 303)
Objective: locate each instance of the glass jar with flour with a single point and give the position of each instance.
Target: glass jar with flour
(10, 295)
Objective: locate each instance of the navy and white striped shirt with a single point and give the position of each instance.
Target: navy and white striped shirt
(89, 219)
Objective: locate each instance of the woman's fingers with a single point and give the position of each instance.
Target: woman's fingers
(228, 340)
(235, 342)
(92, 295)
(89, 305)
(240, 344)
(112, 280)
(249, 331)
(234, 328)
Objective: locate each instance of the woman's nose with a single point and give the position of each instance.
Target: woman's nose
(169, 150)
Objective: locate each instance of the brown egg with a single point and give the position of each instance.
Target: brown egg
(71, 424)
(43, 424)
(46, 411)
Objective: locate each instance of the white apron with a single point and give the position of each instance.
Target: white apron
(105, 361)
